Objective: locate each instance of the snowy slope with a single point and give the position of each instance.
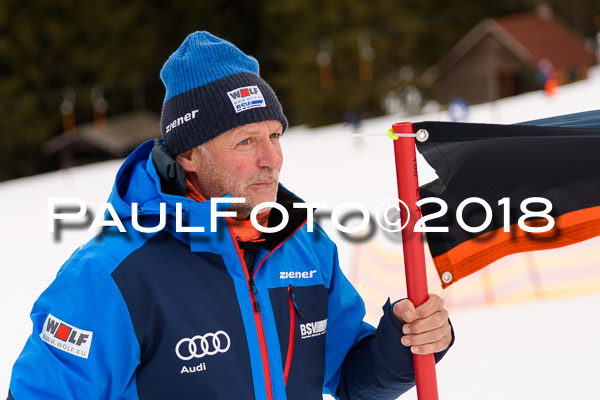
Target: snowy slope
(524, 350)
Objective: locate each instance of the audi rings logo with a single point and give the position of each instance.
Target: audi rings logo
(200, 346)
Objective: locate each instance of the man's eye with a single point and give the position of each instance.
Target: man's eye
(275, 135)
(245, 141)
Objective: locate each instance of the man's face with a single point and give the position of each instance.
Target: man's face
(244, 162)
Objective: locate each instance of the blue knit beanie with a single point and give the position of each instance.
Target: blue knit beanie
(212, 87)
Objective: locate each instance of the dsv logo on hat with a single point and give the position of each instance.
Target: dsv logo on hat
(245, 98)
(206, 348)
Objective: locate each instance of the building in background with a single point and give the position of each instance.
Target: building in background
(506, 56)
(116, 138)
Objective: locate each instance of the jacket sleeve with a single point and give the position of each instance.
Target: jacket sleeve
(377, 365)
(83, 345)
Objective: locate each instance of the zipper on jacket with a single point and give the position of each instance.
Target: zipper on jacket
(256, 306)
(262, 342)
(293, 300)
(254, 291)
(290, 351)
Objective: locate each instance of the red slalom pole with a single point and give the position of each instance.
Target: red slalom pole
(412, 244)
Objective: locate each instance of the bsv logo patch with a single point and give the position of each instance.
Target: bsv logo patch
(246, 98)
(312, 329)
(66, 337)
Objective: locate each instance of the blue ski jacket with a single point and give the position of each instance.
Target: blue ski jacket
(174, 314)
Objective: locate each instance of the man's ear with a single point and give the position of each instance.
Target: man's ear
(189, 160)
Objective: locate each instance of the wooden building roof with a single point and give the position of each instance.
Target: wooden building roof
(531, 37)
(122, 134)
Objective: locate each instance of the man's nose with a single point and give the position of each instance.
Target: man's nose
(270, 155)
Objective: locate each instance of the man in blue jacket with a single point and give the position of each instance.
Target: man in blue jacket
(179, 302)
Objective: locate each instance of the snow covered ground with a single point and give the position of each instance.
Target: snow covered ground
(534, 349)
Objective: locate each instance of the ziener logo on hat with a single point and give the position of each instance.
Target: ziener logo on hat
(246, 98)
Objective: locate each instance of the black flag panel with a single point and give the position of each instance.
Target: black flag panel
(509, 188)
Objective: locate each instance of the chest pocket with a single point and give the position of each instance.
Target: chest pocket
(301, 318)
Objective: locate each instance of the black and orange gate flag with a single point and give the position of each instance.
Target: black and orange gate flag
(501, 183)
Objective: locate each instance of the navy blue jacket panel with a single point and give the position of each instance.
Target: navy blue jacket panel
(177, 300)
